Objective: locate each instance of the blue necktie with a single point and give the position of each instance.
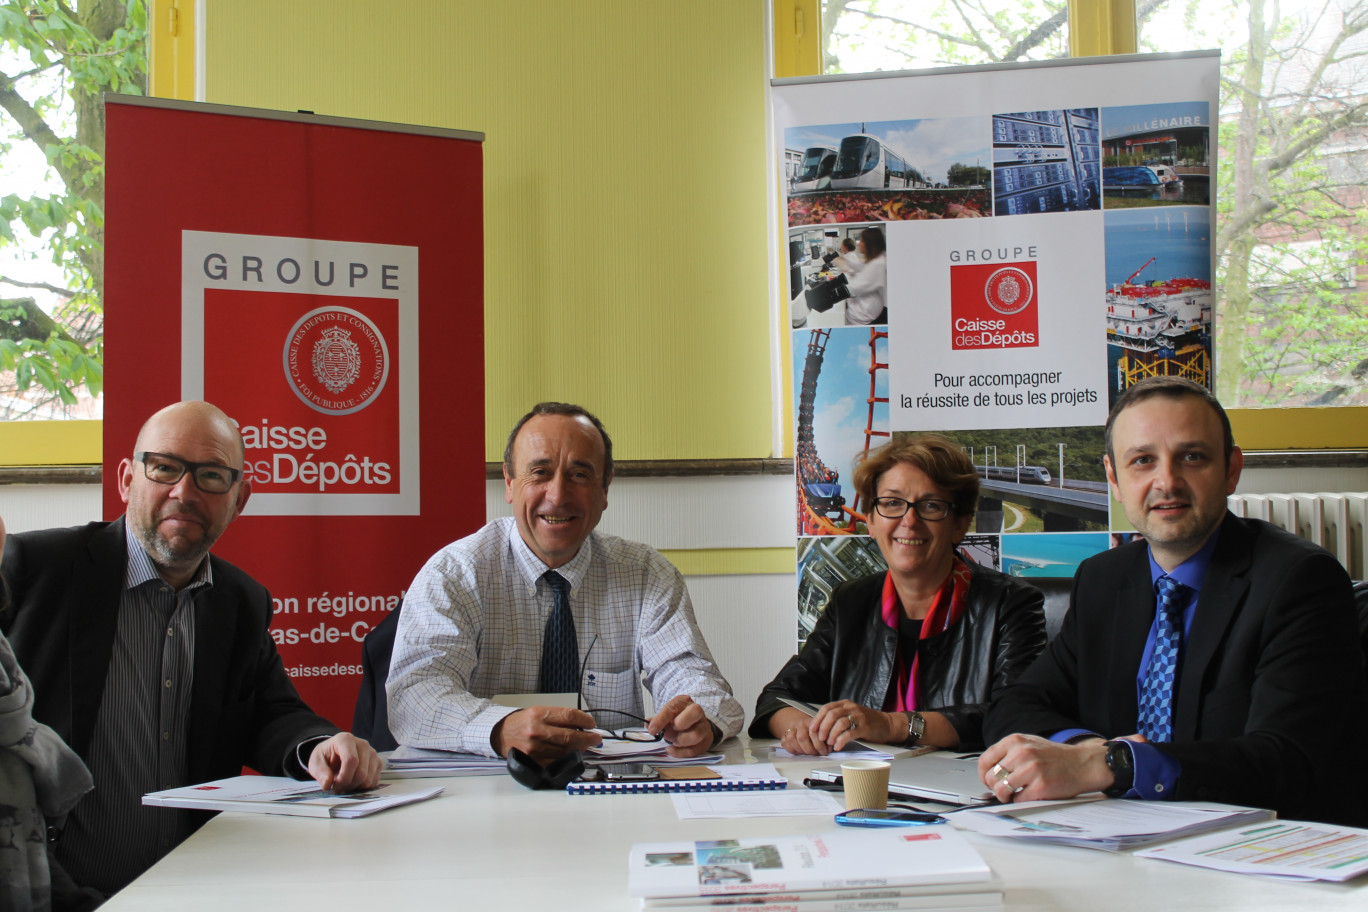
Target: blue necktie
(560, 650)
(1156, 693)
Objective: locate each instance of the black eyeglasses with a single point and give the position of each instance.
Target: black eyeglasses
(209, 477)
(929, 509)
(642, 735)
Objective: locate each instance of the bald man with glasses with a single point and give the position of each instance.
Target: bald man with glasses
(151, 657)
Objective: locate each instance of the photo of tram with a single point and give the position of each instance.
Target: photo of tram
(867, 163)
(814, 172)
(890, 171)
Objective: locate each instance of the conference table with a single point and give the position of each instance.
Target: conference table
(489, 843)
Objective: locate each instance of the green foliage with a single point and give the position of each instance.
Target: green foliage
(1293, 232)
(960, 175)
(58, 60)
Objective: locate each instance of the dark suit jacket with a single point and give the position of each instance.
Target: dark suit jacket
(1272, 699)
(371, 720)
(65, 587)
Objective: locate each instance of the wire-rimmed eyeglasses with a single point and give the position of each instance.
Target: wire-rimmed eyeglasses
(209, 477)
(930, 509)
(641, 735)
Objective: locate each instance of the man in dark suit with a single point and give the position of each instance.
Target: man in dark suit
(152, 658)
(1215, 660)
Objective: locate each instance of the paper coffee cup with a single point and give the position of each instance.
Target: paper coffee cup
(866, 784)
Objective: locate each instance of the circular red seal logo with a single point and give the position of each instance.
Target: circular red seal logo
(1008, 290)
(336, 361)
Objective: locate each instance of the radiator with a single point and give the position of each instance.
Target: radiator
(1336, 522)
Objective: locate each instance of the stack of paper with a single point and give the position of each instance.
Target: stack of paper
(1111, 824)
(741, 777)
(416, 763)
(1284, 848)
(975, 897)
(652, 752)
(898, 868)
(281, 795)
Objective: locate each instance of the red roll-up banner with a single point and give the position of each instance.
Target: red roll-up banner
(320, 280)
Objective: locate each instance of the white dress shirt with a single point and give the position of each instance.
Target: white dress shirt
(472, 627)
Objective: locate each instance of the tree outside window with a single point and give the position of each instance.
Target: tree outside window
(1292, 231)
(56, 61)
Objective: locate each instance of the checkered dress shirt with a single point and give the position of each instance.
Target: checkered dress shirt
(472, 627)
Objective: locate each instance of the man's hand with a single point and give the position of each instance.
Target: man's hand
(544, 732)
(345, 763)
(1030, 768)
(685, 727)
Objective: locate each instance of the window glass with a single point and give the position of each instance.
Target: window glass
(861, 36)
(1292, 238)
(59, 58)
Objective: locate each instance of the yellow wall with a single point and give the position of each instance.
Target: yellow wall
(624, 187)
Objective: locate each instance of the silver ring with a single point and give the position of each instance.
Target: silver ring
(850, 720)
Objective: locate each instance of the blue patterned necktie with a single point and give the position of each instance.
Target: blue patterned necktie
(560, 649)
(1156, 693)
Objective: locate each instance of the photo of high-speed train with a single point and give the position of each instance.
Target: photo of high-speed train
(1025, 474)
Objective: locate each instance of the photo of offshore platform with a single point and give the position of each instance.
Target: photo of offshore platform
(823, 509)
(1159, 328)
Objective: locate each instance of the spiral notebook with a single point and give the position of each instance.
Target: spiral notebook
(745, 777)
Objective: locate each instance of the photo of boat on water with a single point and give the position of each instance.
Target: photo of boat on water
(1156, 155)
(1050, 554)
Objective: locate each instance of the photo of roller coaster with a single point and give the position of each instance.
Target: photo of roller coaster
(824, 506)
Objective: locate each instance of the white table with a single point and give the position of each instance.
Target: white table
(488, 843)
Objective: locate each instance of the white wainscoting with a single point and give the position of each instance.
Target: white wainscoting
(29, 507)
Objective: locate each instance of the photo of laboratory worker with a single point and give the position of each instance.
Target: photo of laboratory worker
(838, 276)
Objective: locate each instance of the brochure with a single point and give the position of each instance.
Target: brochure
(844, 858)
(1284, 848)
(1105, 823)
(292, 797)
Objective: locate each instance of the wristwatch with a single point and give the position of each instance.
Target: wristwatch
(916, 727)
(1122, 765)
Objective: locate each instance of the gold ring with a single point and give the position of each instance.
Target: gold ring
(999, 773)
(851, 721)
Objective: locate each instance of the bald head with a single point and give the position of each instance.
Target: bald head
(193, 421)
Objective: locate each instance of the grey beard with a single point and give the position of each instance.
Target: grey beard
(163, 554)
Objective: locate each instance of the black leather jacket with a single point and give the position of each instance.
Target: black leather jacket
(852, 654)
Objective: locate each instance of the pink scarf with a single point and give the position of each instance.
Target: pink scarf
(944, 613)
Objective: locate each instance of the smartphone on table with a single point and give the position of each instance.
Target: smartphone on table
(630, 772)
(871, 817)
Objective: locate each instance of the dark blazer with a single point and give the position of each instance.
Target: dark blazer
(1272, 699)
(852, 653)
(371, 720)
(65, 587)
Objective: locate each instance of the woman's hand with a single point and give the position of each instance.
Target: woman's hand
(837, 724)
(790, 726)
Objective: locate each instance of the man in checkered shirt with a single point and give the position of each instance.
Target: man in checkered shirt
(474, 620)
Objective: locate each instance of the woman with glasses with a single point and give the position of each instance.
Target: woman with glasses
(914, 655)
